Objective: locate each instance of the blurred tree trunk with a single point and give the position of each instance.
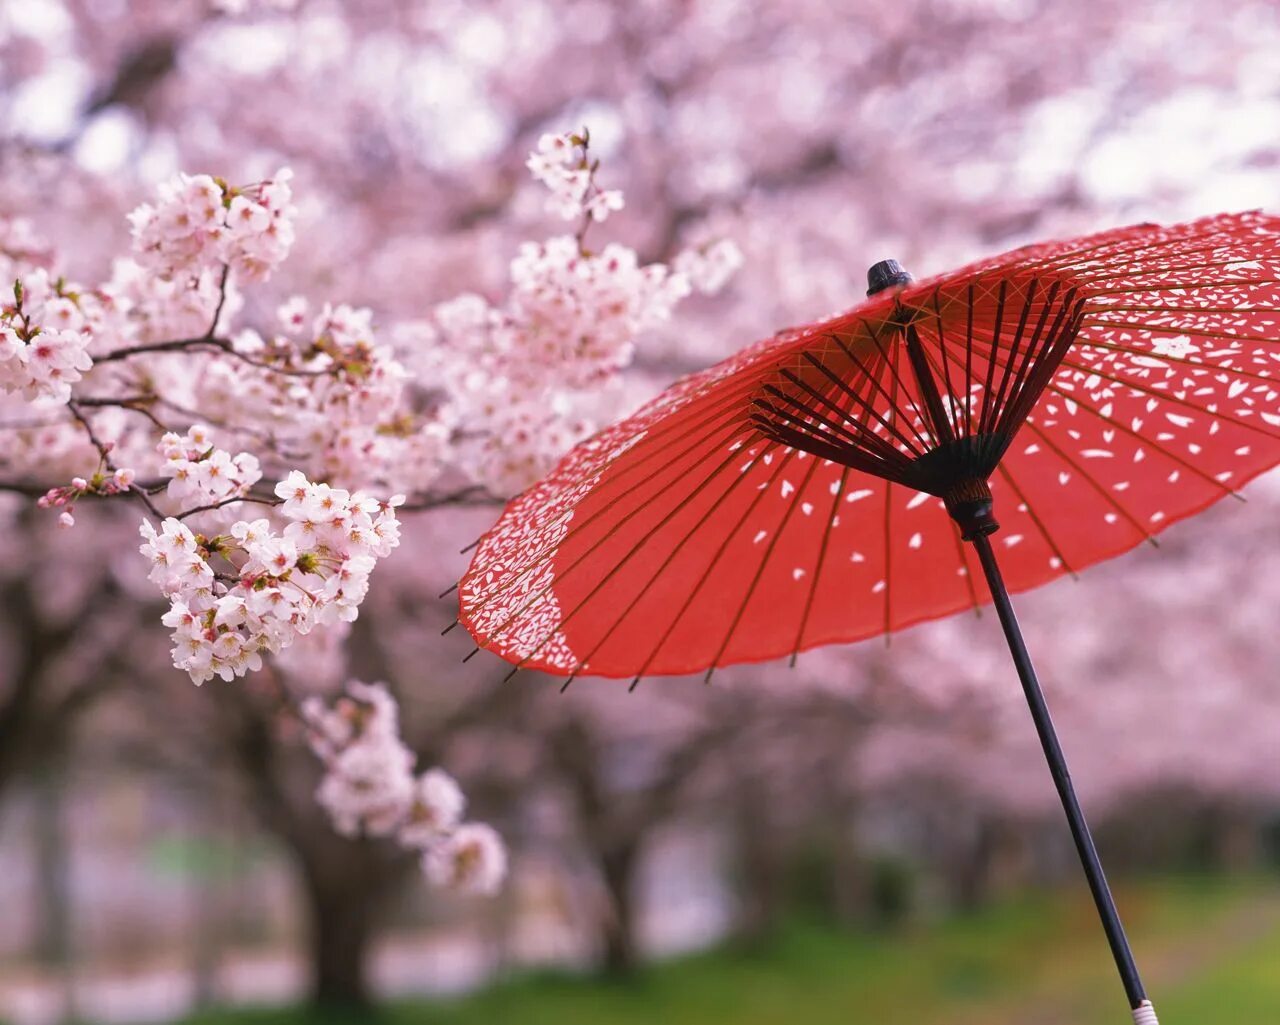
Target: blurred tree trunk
(614, 823)
(613, 830)
(852, 889)
(341, 921)
(618, 870)
(761, 867)
(1232, 837)
(346, 883)
(971, 878)
(55, 941)
(41, 701)
(206, 931)
(991, 863)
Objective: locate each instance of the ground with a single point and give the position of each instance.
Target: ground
(1208, 949)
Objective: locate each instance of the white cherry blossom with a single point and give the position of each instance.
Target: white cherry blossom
(472, 860)
(369, 788)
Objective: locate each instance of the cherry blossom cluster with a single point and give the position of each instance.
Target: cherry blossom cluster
(370, 787)
(335, 397)
(21, 248)
(137, 306)
(201, 474)
(253, 589)
(581, 313)
(523, 440)
(526, 369)
(101, 483)
(710, 267)
(200, 222)
(564, 165)
(491, 390)
(43, 345)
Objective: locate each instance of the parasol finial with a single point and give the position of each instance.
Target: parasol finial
(886, 274)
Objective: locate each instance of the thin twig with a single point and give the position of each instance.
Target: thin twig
(258, 500)
(230, 350)
(133, 403)
(104, 452)
(148, 348)
(474, 494)
(209, 340)
(222, 299)
(265, 437)
(221, 345)
(20, 488)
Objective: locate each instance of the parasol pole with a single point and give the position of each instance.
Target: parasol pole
(1143, 1012)
(968, 500)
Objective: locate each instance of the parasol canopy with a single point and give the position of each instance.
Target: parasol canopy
(798, 493)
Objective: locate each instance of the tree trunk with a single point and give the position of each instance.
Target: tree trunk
(862, 890)
(971, 879)
(341, 927)
(1233, 838)
(346, 883)
(621, 952)
(206, 937)
(761, 872)
(994, 863)
(55, 941)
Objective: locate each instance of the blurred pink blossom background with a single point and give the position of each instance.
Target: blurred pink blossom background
(439, 296)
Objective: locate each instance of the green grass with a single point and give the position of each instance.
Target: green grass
(1209, 949)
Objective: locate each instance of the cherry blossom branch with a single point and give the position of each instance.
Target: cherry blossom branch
(209, 339)
(223, 278)
(21, 488)
(233, 500)
(212, 343)
(590, 189)
(131, 403)
(104, 451)
(276, 368)
(196, 416)
(371, 787)
(172, 345)
(564, 164)
(472, 495)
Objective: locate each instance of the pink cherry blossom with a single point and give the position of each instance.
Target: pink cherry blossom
(369, 787)
(272, 455)
(472, 860)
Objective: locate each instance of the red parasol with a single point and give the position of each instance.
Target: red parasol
(820, 486)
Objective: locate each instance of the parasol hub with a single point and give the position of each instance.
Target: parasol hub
(886, 274)
(971, 506)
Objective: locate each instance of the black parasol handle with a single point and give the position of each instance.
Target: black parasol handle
(1111, 923)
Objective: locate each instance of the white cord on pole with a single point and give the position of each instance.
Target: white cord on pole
(1145, 1015)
